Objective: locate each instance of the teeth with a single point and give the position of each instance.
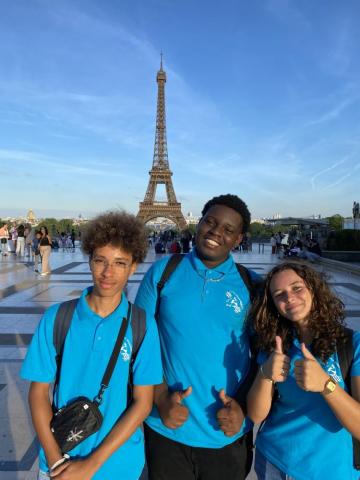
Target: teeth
(212, 243)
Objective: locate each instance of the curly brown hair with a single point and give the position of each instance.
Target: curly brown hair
(120, 229)
(326, 320)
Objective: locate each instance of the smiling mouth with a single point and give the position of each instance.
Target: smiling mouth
(292, 308)
(211, 243)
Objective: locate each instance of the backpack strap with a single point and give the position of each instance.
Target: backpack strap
(247, 279)
(62, 323)
(171, 265)
(346, 356)
(138, 326)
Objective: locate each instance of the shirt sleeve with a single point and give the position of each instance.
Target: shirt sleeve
(147, 366)
(40, 361)
(355, 368)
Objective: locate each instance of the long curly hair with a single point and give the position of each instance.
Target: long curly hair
(120, 229)
(326, 320)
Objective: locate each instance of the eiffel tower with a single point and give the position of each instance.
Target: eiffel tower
(160, 172)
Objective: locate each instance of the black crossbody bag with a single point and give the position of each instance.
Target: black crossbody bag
(81, 418)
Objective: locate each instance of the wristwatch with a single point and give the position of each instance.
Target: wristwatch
(329, 386)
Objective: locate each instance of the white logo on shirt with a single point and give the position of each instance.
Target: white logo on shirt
(234, 301)
(332, 371)
(126, 350)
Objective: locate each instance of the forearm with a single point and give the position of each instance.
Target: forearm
(41, 413)
(160, 391)
(124, 428)
(259, 399)
(346, 409)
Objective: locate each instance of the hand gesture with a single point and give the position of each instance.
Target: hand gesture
(230, 417)
(309, 374)
(277, 365)
(173, 414)
(74, 470)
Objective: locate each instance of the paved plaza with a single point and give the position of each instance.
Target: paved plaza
(24, 296)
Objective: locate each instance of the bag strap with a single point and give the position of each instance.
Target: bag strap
(346, 356)
(138, 324)
(170, 267)
(114, 356)
(62, 323)
(247, 279)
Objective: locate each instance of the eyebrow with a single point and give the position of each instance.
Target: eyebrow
(291, 284)
(116, 258)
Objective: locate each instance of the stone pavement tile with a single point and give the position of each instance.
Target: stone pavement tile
(15, 323)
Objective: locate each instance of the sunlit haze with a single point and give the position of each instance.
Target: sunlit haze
(262, 100)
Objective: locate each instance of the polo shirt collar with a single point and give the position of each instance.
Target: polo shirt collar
(85, 313)
(223, 268)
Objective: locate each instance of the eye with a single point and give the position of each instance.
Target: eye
(230, 231)
(298, 288)
(120, 263)
(98, 261)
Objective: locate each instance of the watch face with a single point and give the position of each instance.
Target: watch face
(330, 386)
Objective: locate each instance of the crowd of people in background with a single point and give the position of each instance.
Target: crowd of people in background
(34, 245)
(286, 247)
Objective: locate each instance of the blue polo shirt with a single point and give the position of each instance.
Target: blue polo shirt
(87, 350)
(203, 342)
(302, 436)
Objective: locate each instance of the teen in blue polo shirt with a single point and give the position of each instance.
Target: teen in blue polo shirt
(308, 428)
(115, 243)
(196, 430)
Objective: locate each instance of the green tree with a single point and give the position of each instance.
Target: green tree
(336, 222)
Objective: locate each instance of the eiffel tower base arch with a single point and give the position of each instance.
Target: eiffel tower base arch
(173, 212)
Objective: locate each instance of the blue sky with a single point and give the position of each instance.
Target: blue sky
(262, 100)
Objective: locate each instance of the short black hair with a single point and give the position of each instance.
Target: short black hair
(120, 229)
(234, 202)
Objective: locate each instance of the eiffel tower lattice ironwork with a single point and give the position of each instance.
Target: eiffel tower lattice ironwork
(160, 173)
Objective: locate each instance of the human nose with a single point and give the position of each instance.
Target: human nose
(289, 297)
(107, 268)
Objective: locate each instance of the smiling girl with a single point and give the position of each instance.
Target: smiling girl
(299, 389)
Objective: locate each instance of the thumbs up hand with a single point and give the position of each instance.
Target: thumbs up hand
(173, 414)
(230, 417)
(277, 366)
(309, 374)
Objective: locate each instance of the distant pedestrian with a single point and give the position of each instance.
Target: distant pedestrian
(273, 244)
(35, 249)
(29, 236)
(4, 235)
(72, 236)
(45, 250)
(20, 244)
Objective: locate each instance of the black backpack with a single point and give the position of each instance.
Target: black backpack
(62, 323)
(346, 357)
(171, 266)
(252, 287)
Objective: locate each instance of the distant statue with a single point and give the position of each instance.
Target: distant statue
(356, 210)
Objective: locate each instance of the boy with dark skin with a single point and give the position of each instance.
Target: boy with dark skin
(196, 422)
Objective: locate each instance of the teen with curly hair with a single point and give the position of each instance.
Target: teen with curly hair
(116, 243)
(299, 324)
